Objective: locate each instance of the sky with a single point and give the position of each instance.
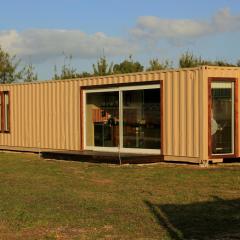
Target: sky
(42, 32)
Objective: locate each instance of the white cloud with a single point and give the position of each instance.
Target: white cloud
(184, 30)
(45, 44)
(42, 44)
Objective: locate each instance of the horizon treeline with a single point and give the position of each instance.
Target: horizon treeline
(10, 70)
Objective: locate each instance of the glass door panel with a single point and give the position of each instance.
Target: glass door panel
(141, 118)
(102, 119)
(222, 117)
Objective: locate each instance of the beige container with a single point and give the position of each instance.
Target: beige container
(47, 114)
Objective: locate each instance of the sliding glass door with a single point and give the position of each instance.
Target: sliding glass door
(141, 119)
(124, 118)
(102, 119)
(222, 117)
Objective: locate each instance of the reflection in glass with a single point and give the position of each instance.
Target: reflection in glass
(141, 119)
(102, 119)
(222, 117)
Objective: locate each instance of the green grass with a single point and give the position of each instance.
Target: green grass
(42, 199)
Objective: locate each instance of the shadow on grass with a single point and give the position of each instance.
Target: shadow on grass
(217, 219)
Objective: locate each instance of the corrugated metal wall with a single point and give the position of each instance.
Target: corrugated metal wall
(181, 113)
(182, 101)
(43, 115)
(47, 114)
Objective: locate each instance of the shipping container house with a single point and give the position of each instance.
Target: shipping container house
(188, 115)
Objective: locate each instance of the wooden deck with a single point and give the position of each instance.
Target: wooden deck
(102, 157)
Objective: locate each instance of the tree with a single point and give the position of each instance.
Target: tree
(128, 66)
(223, 63)
(55, 75)
(29, 73)
(84, 74)
(67, 71)
(155, 64)
(189, 60)
(9, 68)
(102, 67)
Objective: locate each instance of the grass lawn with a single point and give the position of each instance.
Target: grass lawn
(49, 200)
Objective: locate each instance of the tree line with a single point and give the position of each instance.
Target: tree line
(12, 71)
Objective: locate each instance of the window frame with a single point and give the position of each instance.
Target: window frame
(121, 87)
(235, 135)
(3, 110)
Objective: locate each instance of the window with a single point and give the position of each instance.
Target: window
(124, 118)
(222, 117)
(4, 112)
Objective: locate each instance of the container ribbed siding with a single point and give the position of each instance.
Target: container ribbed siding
(43, 115)
(46, 114)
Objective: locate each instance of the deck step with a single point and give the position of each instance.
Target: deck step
(102, 157)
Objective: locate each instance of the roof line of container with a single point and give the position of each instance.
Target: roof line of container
(122, 75)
